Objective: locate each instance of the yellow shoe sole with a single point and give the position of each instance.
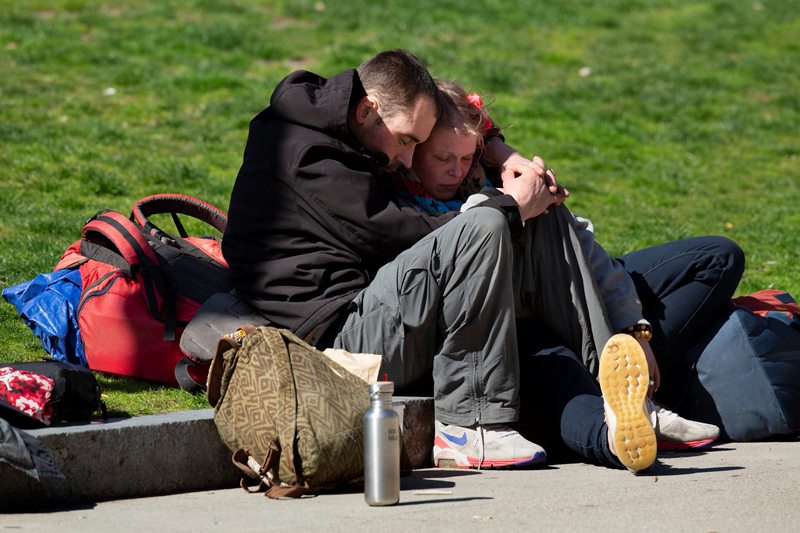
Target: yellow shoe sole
(624, 380)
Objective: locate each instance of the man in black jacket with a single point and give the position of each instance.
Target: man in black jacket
(317, 244)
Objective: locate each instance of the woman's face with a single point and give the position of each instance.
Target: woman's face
(441, 163)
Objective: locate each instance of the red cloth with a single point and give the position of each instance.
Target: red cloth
(27, 392)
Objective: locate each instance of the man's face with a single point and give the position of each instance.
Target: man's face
(398, 133)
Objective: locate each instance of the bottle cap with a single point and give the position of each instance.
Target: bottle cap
(381, 386)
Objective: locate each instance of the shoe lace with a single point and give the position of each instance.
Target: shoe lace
(481, 430)
(655, 410)
(663, 411)
(499, 431)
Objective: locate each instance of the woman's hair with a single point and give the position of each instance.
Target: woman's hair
(456, 111)
(398, 78)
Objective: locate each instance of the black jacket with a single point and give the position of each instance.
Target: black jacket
(310, 222)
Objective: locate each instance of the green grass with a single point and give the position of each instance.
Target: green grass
(665, 119)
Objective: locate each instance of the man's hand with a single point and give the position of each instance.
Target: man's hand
(530, 193)
(532, 185)
(516, 165)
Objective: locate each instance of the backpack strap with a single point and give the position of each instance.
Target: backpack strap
(174, 204)
(123, 234)
(187, 374)
(264, 474)
(291, 491)
(109, 227)
(203, 274)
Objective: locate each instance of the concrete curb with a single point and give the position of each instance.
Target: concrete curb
(158, 455)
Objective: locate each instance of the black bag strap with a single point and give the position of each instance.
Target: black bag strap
(188, 270)
(184, 377)
(174, 204)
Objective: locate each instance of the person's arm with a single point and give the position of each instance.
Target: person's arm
(526, 192)
(511, 163)
(616, 289)
(360, 207)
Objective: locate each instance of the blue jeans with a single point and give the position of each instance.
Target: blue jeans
(684, 286)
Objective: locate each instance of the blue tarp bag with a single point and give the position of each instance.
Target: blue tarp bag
(746, 378)
(48, 305)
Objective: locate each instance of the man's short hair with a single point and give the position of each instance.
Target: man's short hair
(397, 78)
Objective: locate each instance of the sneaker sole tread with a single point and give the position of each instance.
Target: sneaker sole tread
(624, 380)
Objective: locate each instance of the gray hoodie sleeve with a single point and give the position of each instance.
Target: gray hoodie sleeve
(616, 286)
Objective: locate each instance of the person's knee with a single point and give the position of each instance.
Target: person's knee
(736, 256)
(480, 235)
(487, 221)
(731, 255)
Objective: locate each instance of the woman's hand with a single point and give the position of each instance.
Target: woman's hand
(652, 365)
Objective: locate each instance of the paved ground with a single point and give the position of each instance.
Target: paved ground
(732, 487)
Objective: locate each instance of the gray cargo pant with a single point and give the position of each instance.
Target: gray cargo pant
(554, 283)
(450, 303)
(446, 305)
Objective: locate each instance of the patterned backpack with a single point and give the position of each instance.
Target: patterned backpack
(292, 417)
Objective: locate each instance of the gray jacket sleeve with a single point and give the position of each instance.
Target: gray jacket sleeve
(616, 286)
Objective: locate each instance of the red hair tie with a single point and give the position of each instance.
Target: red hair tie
(476, 100)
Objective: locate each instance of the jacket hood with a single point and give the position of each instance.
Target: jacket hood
(306, 98)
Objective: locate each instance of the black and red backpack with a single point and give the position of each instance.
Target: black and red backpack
(142, 285)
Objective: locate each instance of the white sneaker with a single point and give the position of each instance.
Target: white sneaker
(489, 446)
(675, 433)
(624, 380)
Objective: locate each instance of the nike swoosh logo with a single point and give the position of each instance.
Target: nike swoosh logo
(460, 441)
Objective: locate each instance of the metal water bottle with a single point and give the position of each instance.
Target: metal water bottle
(381, 447)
